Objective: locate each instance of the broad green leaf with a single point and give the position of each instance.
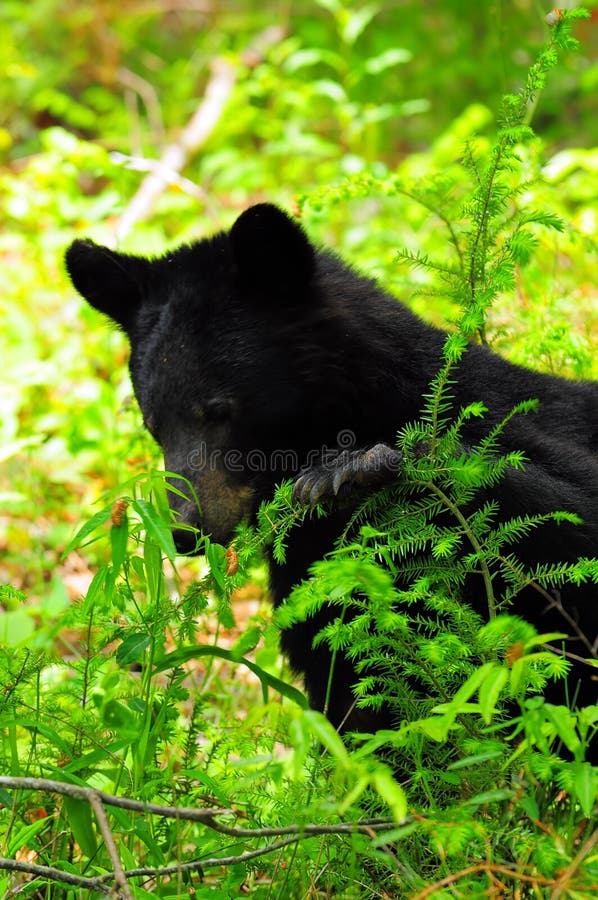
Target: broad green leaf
(325, 87)
(133, 648)
(152, 563)
(78, 813)
(95, 522)
(16, 627)
(179, 657)
(303, 58)
(327, 735)
(155, 527)
(355, 22)
(564, 722)
(386, 60)
(361, 785)
(95, 589)
(119, 535)
(63, 747)
(391, 792)
(489, 691)
(475, 760)
(216, 559)
(469, 687)
(247, 641)
(585, 785)
(22, 836)
(496, 796)
(530, 805)
(436, 727)
(116, 715)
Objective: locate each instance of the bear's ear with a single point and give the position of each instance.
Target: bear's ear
(111, 282)
(272, 253)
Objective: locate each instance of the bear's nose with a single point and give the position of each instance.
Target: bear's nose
(185, 540)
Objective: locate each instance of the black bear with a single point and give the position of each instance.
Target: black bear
(252, 350)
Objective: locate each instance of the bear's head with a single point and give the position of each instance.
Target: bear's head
(231, 359)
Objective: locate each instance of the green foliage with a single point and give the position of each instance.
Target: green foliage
(125, 670)
(397, 573)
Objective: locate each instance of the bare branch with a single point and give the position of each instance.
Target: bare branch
(199, 864)
(83, 793)
(175, 156)
(196, 131)
(119, 875)
(92, 884)
(287, 835)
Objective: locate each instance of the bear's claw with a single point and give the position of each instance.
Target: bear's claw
(370, 468)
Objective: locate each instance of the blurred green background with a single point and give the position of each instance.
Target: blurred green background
(91, 94)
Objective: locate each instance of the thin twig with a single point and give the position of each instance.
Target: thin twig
(138, 86)
(92, 884)
(489, 869)
(199, 864)
(79, 792)
(169, 176)
(565, 876)
(287, 835)
(119, 875)
(191, 814)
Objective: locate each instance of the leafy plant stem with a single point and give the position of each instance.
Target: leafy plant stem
(434, 489)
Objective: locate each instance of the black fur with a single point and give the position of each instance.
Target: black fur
(251, 351)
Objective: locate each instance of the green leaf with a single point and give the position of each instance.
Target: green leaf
(496, 796)
(386, 60)
(22, 836)
(300, 59)
(152, 568)
(323, 729)
(333, 6)
(391, 792)
(475, 760)
(133, 648)
(356, 22)
(35, 725)
(16, 627)
(119, 536)
(183, 655)
(358, 787)
(436, 727)
(490, 690)
(155, 527)
(78, 813)
(247, 641)
(585, 785)
(564, 723)
(99, 519)
(530, 805)
(334, 91)
(96, 589)
(215, 555)
(116, 715)
(469, 687)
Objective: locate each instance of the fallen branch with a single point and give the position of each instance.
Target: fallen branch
(119, 877)
(92, 884)
(175, 155)
(79, 792)
(195, 133)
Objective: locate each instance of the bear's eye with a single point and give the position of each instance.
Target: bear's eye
(218, 409)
